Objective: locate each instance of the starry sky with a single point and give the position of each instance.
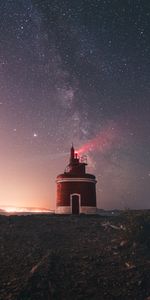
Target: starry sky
(75, 71)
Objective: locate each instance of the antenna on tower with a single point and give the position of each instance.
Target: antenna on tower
(72, 153)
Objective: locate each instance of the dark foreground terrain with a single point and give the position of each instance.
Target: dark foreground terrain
(75, 257)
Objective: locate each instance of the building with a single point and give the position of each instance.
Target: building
(76, 189)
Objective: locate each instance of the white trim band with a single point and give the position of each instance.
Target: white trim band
(88, 210)
(63, 210)
(76, 179)
(83, 210)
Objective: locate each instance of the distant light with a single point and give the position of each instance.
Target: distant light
(35, 134)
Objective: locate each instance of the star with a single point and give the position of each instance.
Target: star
(35, 135)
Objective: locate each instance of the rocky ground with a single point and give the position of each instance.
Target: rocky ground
(75, 257)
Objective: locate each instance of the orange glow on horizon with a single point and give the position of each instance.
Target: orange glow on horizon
(13, 209)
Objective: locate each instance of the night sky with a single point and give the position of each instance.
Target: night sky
(75, 71)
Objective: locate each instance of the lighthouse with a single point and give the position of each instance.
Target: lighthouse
(76, 189)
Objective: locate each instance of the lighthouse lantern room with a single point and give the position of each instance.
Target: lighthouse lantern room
(76, 189)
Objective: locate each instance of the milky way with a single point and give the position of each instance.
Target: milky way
(75, 71)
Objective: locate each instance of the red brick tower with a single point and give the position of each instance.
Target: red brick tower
(76, 192)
